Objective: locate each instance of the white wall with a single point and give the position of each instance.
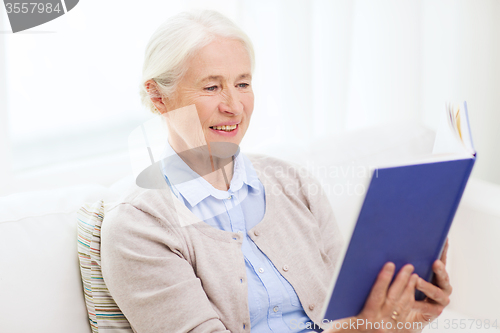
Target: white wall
(323, 67)
(4, 121)
(461, 60)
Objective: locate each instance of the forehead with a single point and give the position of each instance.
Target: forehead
(222, 57)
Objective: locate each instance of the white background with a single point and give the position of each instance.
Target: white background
(69, 88)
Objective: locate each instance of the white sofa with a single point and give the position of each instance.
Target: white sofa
(40, 286)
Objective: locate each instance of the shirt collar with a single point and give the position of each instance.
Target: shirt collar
(195, 188)
(248, 172)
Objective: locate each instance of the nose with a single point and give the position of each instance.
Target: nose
(231, 103)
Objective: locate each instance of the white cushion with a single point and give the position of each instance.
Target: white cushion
(40, 285)
(474, 261)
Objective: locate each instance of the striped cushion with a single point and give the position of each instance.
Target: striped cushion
(104, 314)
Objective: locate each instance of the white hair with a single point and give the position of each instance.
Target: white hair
(176, 40)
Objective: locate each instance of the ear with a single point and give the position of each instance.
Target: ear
(156, 97)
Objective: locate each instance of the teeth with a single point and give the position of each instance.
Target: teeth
(226, 128)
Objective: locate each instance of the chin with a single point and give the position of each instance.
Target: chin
(235, 141)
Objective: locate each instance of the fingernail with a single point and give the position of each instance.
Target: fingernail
(410, 268)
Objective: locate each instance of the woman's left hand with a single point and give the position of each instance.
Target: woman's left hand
(438, 295)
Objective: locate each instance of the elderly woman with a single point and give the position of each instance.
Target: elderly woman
(233, 243)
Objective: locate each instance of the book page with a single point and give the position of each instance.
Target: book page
(453, 127)
(465, 130)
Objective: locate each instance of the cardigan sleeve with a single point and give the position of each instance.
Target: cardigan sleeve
(321, 208)
(149, 278)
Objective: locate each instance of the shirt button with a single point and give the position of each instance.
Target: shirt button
(275, 309)
(256, 233)
(311, 307)
(261, 270)
(229, 198)
(285, 268)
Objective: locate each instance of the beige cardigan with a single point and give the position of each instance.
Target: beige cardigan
(168, 271)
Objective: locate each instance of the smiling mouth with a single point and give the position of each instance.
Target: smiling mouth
(228, 128)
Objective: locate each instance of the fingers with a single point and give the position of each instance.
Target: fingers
(429, 311)
(400, 284)
(408, 296)
(406, 300)
(433, 292)
(442, 277)
(391, 301)
(444, 255)
(379, 290)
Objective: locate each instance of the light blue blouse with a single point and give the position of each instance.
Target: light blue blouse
(272, 301)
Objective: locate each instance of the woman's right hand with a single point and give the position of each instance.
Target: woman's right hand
(386, 306)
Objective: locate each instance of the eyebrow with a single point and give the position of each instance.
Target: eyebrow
(218, 77)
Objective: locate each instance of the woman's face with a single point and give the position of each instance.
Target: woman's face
(218, 83)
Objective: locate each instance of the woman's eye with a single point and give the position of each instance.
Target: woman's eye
(212, 88)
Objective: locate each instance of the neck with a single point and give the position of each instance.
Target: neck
(218, 171)
(221, 177)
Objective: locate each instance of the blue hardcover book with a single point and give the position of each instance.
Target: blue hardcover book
(405, 217)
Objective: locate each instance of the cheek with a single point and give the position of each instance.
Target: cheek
(206, 107)
(248, 103)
